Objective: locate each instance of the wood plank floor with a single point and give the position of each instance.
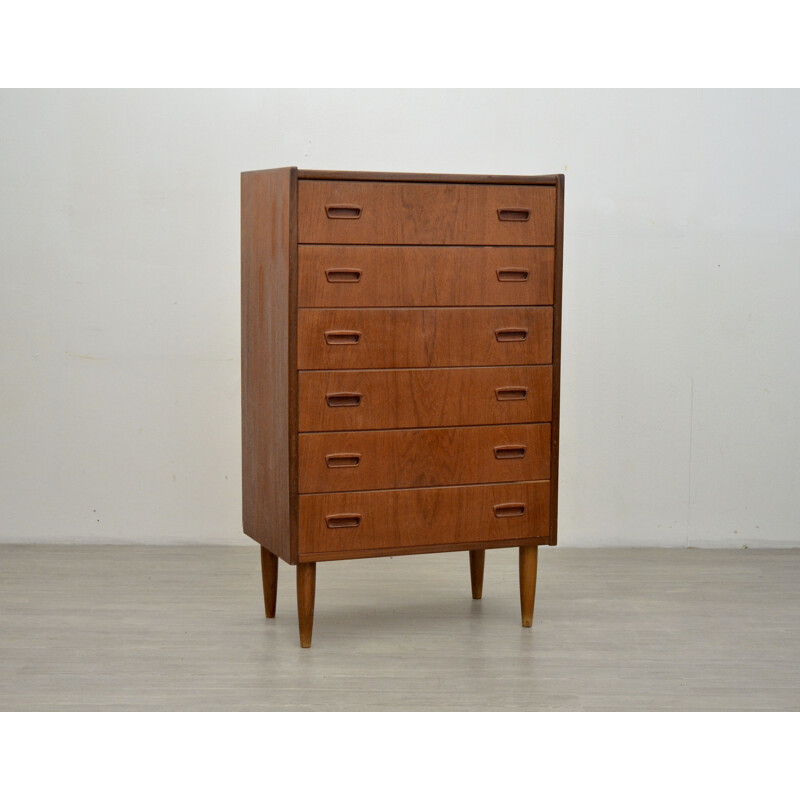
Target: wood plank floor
(162, 628)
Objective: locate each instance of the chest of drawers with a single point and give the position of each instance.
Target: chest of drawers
(400, 369)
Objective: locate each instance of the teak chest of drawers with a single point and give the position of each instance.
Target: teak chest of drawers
(400, 369)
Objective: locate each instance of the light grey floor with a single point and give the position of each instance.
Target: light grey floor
(156, 628)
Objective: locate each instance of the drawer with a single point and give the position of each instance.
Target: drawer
(401, 459)
(422, 398)
(362, 275)
(345, 521)
(374, 212)
(430, 337)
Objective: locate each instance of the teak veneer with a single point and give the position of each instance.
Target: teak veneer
(369, 276)
(401, 348)
(379, 338)
(402, 459)
(423, 398)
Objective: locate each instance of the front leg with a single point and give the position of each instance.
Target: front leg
(477, 558)
(306, 585)
(528, 557)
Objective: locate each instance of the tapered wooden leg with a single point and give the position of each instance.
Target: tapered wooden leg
(269, 580)
(306, 584)
(527, 582)
(477, 559)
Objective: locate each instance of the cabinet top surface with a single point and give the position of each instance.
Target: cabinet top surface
(422, 177)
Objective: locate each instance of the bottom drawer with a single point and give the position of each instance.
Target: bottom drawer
(343, 521)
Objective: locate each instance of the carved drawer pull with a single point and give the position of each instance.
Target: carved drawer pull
(511, 334)
(343, 520)
(343, 275)
(343, 211)
(510, 451)
(342, 337)
(342, 399)
(515, 275)
(511, 393)
(513, 214)
(343, 460)
(509, 510)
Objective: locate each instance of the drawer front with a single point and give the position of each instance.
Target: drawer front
(374, 212)
(440, 337)
(423, 398)
(353, 275)
(401, 459)
(339, 522)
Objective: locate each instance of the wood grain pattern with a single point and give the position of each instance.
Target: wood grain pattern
(364, 275)
(268, 371)
(423, 457)
(425, 177)
(429, 337)
(528, 557)
(477, 561)
(425, 213)
(423, 398)
(413, 517)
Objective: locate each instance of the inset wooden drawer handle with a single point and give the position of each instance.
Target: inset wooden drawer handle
(511, 393)
(509, 510)
(342, 337)
(343, 460)
(516, 275)
(343, 520)
(513, 214)
(511, 334)
(343, 275)
(342, 399)
(509, 451)
(343, 212)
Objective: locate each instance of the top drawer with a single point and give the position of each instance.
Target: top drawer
(374, 212)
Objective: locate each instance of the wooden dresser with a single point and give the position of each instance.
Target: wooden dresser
(400, 369)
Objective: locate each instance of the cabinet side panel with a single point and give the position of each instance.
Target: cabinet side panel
(555, 417)
(267, 260)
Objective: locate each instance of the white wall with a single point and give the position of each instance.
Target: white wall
(119, 305)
